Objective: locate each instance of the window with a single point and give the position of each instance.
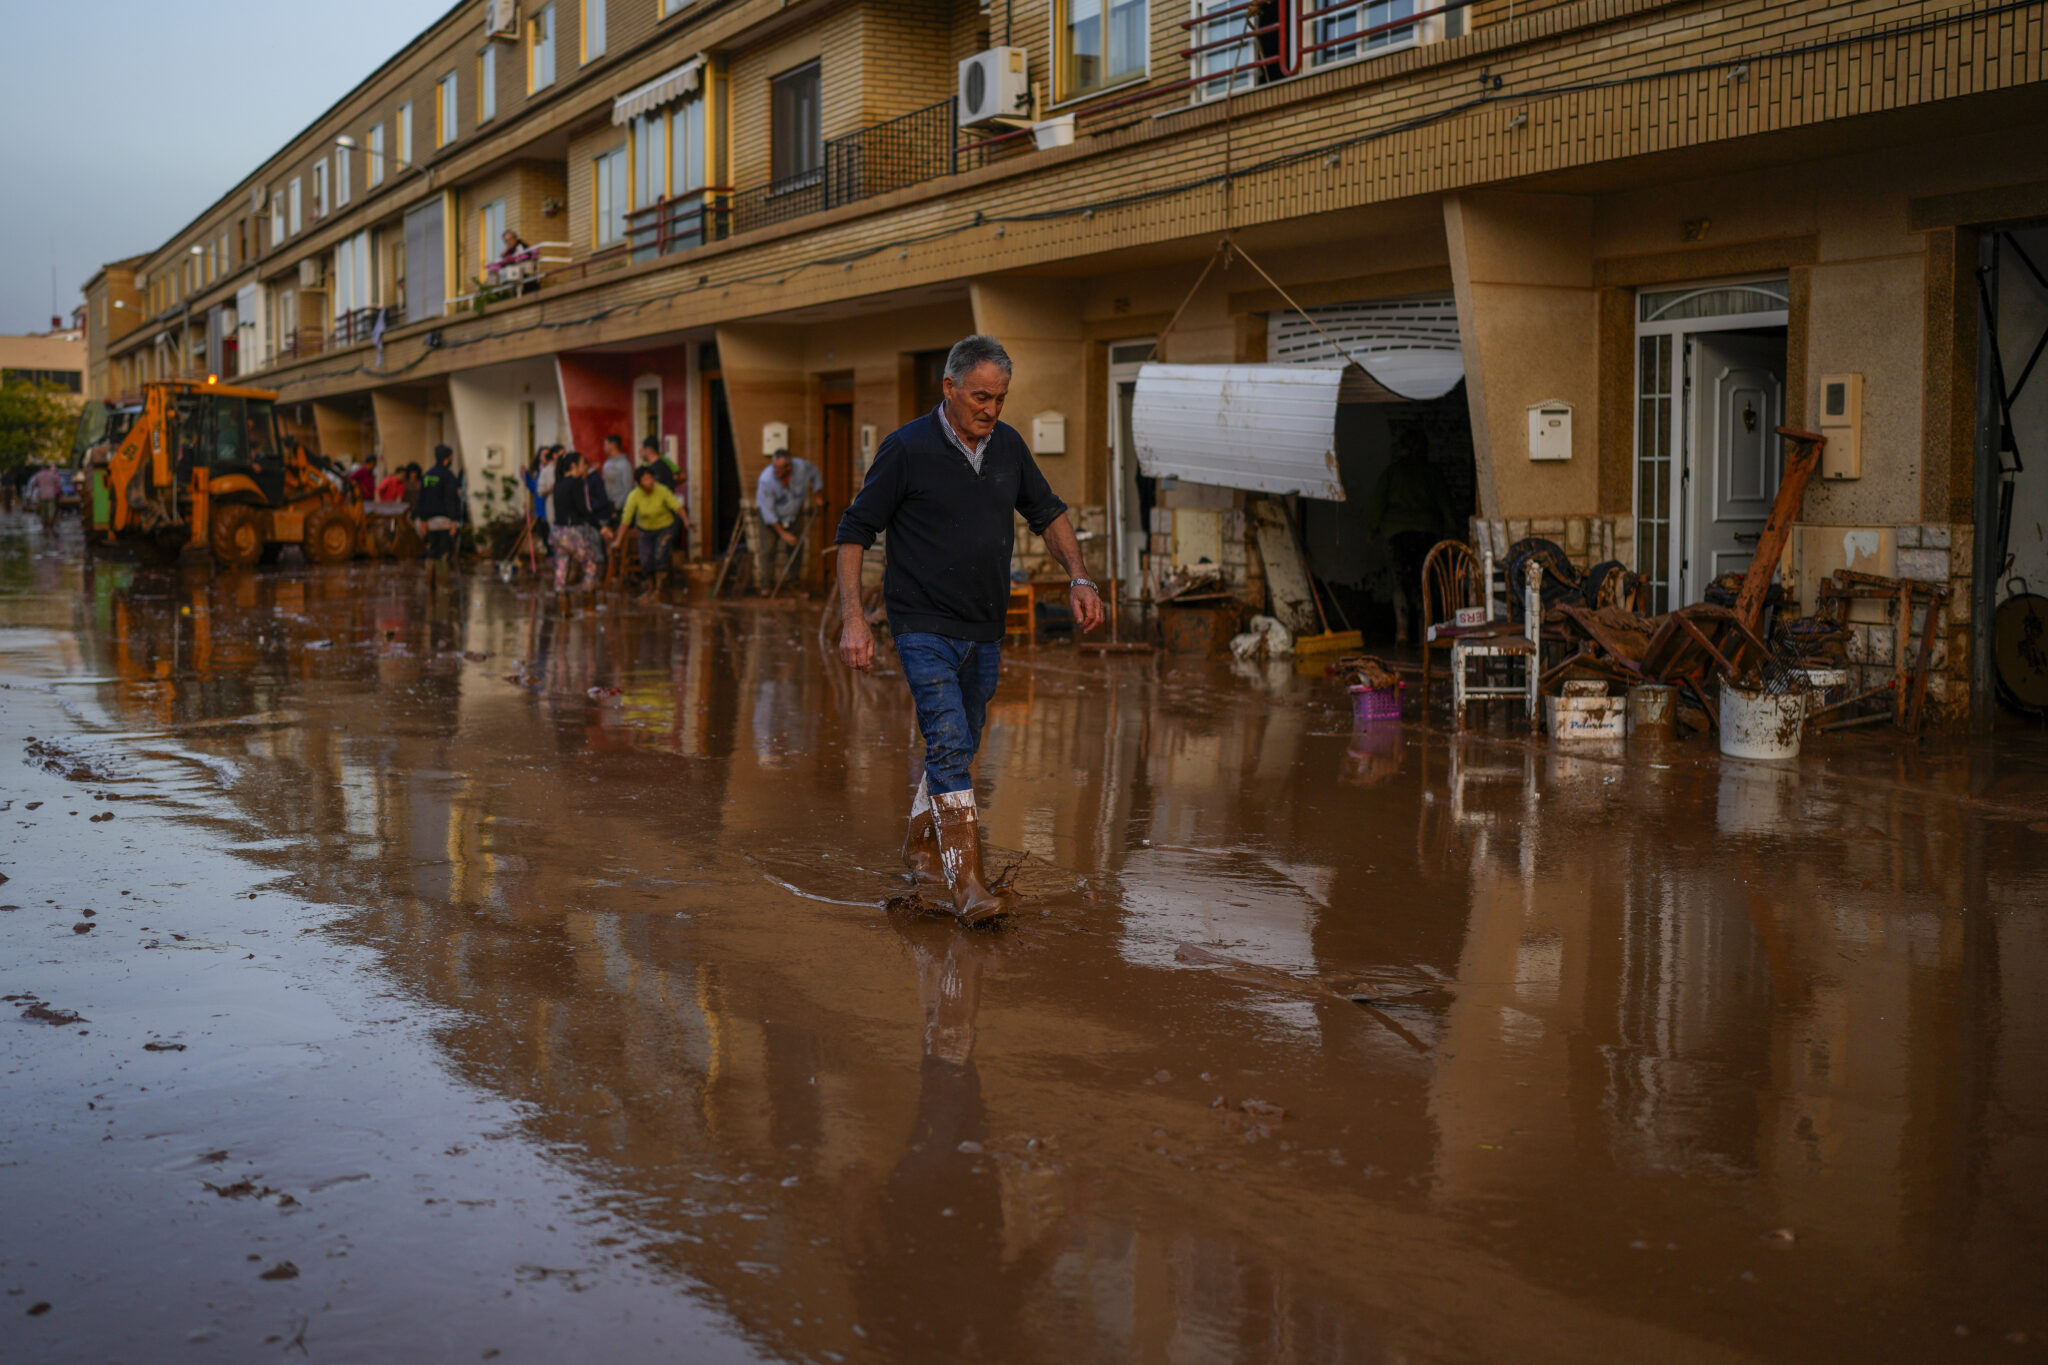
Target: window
(374, 172)
(212, 262)
(444, 110)
(352, 283)
(1101, 42)
(797, 136)
(402, 153)
(291, 210)
(487, 84)
(1329, 34)
(593, 28)
(540, 49)
(422, 279)
(669, 7)
(344, 172)
(276, 218)
(610, 197)
(686, 147)
(320, 188)
(227, 262)
(1227, 65)
(490, 231)
(650, 158)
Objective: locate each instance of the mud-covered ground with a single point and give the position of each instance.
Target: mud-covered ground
(396, 976)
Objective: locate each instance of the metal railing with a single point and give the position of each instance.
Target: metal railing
(678, 224)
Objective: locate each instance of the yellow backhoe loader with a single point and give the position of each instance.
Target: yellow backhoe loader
(202, 469)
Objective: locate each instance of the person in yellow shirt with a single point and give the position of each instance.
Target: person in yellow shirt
(654, 513)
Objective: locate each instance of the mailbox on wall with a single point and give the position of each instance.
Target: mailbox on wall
(1550, 430)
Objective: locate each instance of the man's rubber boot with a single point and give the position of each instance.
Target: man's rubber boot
(960, 853)
(921, 852)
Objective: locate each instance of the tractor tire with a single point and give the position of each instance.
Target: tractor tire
(236, 535)
(330, 536)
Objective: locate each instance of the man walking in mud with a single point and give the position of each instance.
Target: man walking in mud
(944, 488)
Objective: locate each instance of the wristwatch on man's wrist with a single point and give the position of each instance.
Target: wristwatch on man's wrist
(1087, 583)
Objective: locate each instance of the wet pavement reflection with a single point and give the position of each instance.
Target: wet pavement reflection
(1311, 1045)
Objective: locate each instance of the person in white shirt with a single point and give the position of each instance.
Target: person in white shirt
(785, 487)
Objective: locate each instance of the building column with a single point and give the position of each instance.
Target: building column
(342, 431)
(1528, 320)
(401, 430)
(1039, 322)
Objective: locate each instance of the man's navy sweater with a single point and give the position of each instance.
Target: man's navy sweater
(950, 529)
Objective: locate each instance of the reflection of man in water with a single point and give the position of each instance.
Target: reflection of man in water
(1411, 507)
(932, 1282)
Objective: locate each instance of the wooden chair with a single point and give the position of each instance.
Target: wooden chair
(1450, 581)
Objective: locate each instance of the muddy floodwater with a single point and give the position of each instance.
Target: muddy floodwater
(396, 976)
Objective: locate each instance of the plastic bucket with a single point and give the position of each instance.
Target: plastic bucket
(1762, 725)
(1369, 704)
(1653, 711)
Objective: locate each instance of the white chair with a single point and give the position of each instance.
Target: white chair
(1505, 652)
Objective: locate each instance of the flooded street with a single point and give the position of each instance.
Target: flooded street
(454, 980)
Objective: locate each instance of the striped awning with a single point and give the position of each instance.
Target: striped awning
(673, 85)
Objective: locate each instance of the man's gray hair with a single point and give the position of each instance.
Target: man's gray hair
(969, 352)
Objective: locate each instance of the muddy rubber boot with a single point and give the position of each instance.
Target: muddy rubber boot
(960, 854)
(921, 852)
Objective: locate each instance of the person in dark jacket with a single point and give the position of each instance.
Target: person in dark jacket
(439, 509)
(946, 488)
(578, 539)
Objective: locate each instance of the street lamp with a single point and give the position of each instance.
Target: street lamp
(348, 142)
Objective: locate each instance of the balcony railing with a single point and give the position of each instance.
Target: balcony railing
(678, 224)
(361, 324)
(907, 150)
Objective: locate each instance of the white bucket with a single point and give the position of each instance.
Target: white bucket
(1761, 724)
(1053, 132)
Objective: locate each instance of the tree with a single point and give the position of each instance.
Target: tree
(35, 423)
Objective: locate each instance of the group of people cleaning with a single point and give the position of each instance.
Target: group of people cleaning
(583, 510)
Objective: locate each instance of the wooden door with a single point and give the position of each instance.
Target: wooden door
(836, 463)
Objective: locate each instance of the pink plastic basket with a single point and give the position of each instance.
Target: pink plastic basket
(1376, 703)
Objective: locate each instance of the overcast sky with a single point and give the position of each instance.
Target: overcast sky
(126, 118)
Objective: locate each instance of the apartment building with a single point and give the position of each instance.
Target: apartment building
(1595, 250)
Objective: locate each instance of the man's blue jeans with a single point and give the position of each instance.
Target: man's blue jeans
(951, 682)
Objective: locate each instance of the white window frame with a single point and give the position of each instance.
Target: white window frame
(320, 188)
(487, 83)
(373, 171)
(686, 132)
(293, 202)
(490, 225)
(404, 140)
(344, 169)
(447, 109)
(276, 218)
(593, 26)
(611, 173)
(540, 49)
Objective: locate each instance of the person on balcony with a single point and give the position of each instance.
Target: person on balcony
(517, 264)
(947, 489)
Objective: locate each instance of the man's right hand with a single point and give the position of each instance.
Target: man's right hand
(856, 642)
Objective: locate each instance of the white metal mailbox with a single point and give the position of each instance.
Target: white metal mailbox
(1550, 430)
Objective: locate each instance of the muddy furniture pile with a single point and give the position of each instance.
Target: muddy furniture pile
(1742, 664)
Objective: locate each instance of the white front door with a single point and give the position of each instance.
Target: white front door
(1735, 455)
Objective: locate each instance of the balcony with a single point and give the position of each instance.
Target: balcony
(907, 150)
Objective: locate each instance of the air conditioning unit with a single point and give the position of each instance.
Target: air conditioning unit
(501, 18)
(995, 88)
(312, 272)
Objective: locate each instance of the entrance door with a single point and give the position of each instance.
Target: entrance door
(727, 490)
(836, 450)
(1735, 453)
